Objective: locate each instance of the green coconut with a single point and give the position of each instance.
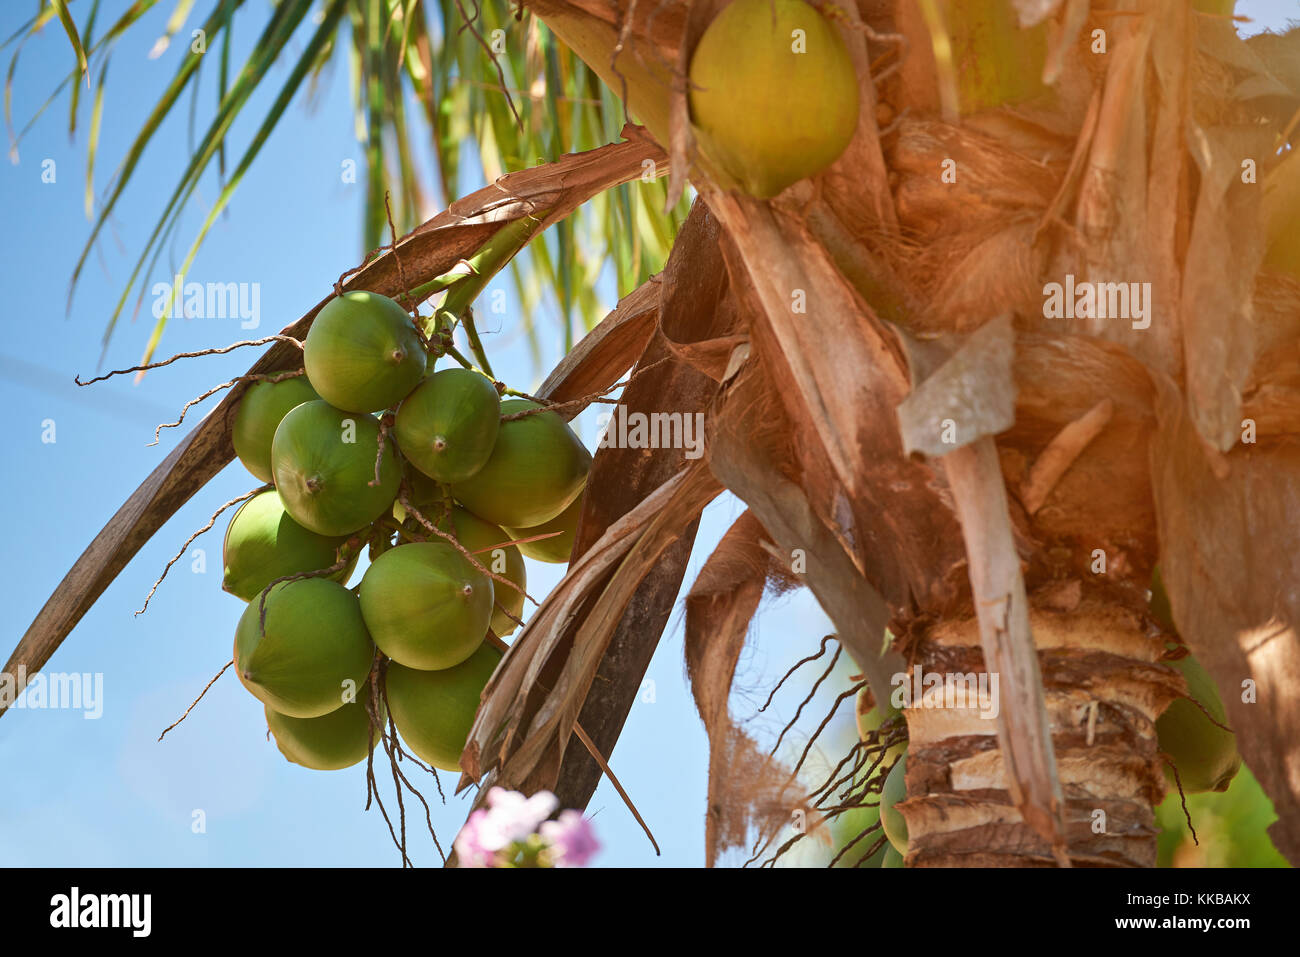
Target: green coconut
(537, 468)
(362, 352)
(447, 427)
(892, 857)
(258, 416)
(331, 742)
(894, 793)
(847, 826)
(559, 547)
(995, 60)
(1205, 755)
(771, 109)
(324, 462)
(434, 710)
(426, 605)
(485, 541)
(315, 652)
(264, 543)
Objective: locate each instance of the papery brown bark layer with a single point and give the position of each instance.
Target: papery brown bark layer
(1104, 687)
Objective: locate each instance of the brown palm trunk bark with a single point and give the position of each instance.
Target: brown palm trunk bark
(1105, 687)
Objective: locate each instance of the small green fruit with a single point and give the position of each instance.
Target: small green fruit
(425, 605)
(426, 495)
(264, 543)
(847, 826)
(558, 548)
(538, 466)
(258, 416)
(771, 106)
(892, 857)
(484, 541)
(324, 462)
(446, 428)
(362, 353)
(893, 793)
(1205, 755)
(434, 710)
(314, 651)
(331, 742)
(869, 718)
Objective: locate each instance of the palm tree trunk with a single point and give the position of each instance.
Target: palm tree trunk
(1104, 689)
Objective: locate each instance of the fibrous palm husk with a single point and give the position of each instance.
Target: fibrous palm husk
(1121, 181)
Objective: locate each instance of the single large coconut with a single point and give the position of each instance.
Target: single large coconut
(486, 542)
(426, 605)
(259, 415)
(362, 352)
(538, 466)
(315, 653)
(434, 710)
(893, 793)
(482, 539)
(264, 543)
(774, 94)
(1205, 755)
(447, 427)
(331, 742)
(324, 462)
(558, 547)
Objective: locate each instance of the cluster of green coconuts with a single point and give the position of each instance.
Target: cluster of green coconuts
(425, 605)
(1204, 754)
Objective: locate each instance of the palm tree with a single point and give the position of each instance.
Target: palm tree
(900, 380)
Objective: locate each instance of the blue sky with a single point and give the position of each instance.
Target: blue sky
(105, 792)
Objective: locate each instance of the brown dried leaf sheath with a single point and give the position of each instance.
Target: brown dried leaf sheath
(719, 608)
(690, 290)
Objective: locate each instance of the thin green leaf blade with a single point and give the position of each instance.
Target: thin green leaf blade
(70, 28)
(92, 141)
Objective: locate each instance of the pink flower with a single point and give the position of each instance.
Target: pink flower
(509, 817)
(470, 850)
(572, 840)
(513, 817)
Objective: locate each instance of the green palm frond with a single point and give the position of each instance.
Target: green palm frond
(429, 73)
